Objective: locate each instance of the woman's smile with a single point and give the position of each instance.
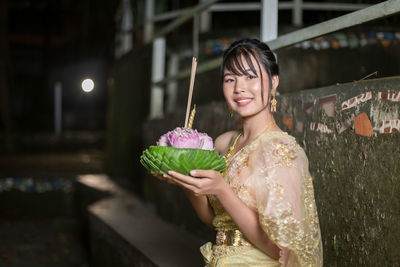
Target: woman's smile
(242, 101)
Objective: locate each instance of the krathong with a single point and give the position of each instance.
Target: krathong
(182, 150)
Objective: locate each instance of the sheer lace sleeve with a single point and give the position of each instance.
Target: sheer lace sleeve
(284, 199)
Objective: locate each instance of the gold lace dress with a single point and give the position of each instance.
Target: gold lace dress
(271, 176)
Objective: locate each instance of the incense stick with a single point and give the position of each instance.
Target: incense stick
(192, 74)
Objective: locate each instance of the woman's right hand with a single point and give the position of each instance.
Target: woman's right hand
(164, 177)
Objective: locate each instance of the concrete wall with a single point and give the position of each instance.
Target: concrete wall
(129, 85)
(303, 67)
(350, 133)
(310, 68)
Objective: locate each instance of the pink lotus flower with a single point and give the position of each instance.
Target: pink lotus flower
(207, 141)
(186, 138)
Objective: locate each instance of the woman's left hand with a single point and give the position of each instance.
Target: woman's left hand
(200, 182)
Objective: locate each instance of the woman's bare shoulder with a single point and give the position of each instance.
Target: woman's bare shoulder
(223, 141)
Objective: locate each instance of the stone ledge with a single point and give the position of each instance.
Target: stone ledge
(138, 236)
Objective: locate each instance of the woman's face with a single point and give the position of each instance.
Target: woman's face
(244, 93)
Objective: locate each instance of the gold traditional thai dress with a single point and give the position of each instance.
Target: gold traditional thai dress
(271, 176)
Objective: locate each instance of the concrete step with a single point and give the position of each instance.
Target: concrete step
(124, 232)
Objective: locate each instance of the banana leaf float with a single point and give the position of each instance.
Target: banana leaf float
(161, 159)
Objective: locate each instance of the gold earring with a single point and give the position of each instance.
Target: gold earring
(230, 111)
(273, 102)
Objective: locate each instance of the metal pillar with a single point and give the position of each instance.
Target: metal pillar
(157, 74)
(297, 13)
(205, 20)
(126, 28)
(172, 86)
(148, 21)
(269, 20)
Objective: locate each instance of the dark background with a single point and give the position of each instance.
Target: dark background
(44, 41)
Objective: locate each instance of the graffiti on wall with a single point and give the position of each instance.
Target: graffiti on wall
(354, 101)
(361, 123)
(389, 126)
(320, 127)
(395, 97)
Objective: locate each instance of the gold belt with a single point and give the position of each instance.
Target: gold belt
(231, 238)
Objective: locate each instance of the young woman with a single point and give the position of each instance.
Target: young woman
(262, 206)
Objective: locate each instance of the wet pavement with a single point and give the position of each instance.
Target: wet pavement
(30, 235)
(34, 242)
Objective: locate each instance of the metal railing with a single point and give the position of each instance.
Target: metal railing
(269, 35)
(297, 7)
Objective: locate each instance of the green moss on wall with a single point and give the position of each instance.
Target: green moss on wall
(356, 178)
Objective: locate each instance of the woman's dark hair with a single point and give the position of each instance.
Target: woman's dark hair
(249, 48)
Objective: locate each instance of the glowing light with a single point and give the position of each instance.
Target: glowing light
(87, 85)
